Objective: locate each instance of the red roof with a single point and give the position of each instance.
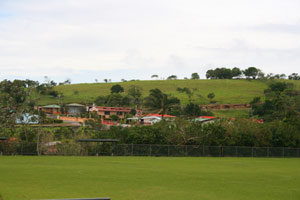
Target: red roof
(207, 117)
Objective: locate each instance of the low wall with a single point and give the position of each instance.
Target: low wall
(72, 119)
(226, 106)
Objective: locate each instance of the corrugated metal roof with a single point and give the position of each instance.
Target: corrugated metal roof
(51, 106)
(75, 105)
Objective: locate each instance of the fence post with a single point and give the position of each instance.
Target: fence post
(186, 153)
(168, 150)
(252, 151)
(268, 152)
(131, 149)
(236, 152)
(150, 149)
(221, 152)
(283, 152)
(203, 150)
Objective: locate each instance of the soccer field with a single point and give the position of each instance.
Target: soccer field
(149, 178)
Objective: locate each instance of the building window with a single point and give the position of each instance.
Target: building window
(106, 112)
(120, 113)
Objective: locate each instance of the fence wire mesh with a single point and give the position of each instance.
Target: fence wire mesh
(93, 149)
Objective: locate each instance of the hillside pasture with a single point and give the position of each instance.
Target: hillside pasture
(226, 91)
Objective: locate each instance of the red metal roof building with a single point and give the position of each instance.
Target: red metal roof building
(106, 112)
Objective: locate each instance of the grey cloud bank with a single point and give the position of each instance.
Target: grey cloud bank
(133, 39)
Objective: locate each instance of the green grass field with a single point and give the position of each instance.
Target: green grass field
(226, 91)
(241, 113)
(149, 178)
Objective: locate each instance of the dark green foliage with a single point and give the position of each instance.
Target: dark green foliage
(236, 72)
(294, 76)
(187, 91)
(251, 72)
(192, 110)
(63, 133)
(159, 102)
(53, 93)
(135, 93)
(114, 99)
(219, 73)
(15, 100)
(172, 77)
(195, 76)
(116, 89)
(114, 117)
(211, 96)
(101, 100)
(281, 103)
(133, 112)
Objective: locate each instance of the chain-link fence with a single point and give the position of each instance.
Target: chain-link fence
(108, 149)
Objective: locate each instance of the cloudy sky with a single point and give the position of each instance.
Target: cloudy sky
(86, 40)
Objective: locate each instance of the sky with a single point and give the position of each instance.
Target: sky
(85, 40)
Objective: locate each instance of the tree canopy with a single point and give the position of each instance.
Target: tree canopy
(116, 89)
(160, 102)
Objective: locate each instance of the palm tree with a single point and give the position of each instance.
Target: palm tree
(160, 102)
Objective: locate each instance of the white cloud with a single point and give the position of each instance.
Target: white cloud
(81, 39)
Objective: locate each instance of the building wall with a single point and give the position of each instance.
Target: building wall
(51, 110)
(74, 110)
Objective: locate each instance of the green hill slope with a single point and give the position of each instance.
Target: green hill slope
(226, 91)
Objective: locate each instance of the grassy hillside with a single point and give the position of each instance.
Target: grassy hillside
(226, 91)
(149, 178)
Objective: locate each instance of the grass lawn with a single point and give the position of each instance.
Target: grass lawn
(149, 178)
(226, 91)
(242, 113)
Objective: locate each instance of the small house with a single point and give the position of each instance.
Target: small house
(107, 112)
(149, 119)
(75, 109)
(27, 118)
(50, 109)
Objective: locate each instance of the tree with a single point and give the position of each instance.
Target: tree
(195, 76)
(101, 100)
(251, 72)
(219, 73)
(192, 109)
(67, 82)
(15, 101)
(114, 117)
(116, 89)
(236, 72)
(172, 77)
(154, 76)
(160, 102)
(211, 96)
(135, 93)
(187, 91)
(210, 74)
(114, 99)
(105, 80)
(281, 103)
(294, 76)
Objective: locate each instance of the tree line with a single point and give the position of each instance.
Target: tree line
(249, 73)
